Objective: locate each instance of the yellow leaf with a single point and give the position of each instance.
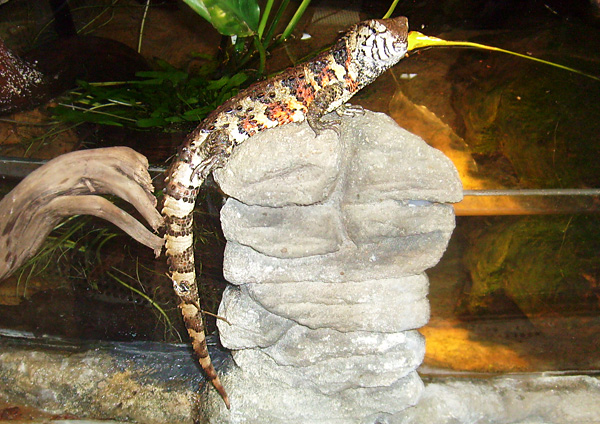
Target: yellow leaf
(416, 40)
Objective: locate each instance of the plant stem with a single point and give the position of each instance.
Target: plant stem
(294, 21)
(98, 16)
(264, 18)
(390, 10)
(262, 55)
(267, 39)
(143, 23)
(94, 110)
(139, 292)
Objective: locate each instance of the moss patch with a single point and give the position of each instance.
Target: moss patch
(543, 264)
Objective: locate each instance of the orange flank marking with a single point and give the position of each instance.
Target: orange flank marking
(280, 113)
(305, 93)
(351, 85)
(251, 126)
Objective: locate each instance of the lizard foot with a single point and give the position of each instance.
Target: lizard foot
(350, 110)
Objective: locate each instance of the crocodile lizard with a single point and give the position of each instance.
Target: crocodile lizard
(307, 91)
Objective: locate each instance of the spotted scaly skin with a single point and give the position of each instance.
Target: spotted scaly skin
(307, 91)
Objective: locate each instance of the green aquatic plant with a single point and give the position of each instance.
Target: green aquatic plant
(251, 33)
(68, 236)
(168, 97)
(157, 99)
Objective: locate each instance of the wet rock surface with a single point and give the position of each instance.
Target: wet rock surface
(328, 241)
(150, 382)
(145, 382)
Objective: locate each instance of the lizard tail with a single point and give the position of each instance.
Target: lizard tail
(178, 211)
(192, 317)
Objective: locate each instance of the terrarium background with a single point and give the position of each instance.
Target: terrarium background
(518, 289)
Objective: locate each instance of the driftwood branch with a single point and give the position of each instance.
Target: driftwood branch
(70, 185)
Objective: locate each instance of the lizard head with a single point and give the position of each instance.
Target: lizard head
(393, 38)
(377, 45)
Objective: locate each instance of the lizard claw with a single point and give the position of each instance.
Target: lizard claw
(350, 110)
(322, 125)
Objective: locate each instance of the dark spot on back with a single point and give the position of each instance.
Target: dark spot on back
(340, 56)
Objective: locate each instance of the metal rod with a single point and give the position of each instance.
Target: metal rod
(536, 192)
(8, 165)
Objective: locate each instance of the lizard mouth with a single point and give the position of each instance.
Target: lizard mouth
(400, 46)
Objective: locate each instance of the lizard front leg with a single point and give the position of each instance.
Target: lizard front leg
(320, 106)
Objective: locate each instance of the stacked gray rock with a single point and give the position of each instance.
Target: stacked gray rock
(328, 239)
